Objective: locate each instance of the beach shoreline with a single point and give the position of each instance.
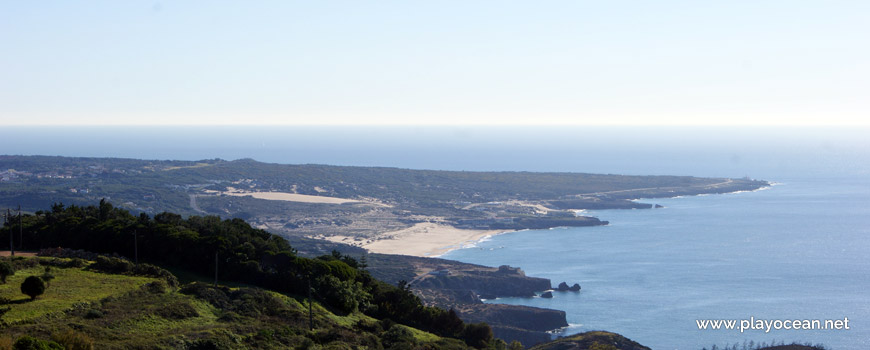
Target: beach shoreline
(426, 239)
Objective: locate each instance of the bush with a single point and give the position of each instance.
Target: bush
(6, 270)
(177, 311)
(72, 340)
(477, 335)
(62, 263)
(154, 271)
(112, 265)
(30, 343)
(156, 287)
(398, 336)
(93, 313)
(216, 296)
(33, 286)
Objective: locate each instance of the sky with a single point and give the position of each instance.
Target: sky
(758, 62)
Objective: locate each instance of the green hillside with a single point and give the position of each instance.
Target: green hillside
(123, 311)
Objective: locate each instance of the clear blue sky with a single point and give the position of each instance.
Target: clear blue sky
(435, 62)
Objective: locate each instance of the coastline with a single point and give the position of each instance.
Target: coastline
(425, 239)
(431, 240)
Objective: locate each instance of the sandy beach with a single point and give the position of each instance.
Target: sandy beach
(423, 239)
(284, 196)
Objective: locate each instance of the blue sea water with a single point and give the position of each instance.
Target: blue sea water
(797, 250)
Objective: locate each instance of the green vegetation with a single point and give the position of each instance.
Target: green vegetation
(69, 287)
(5, 271)
(147, 313)
(244, 255)
(33, 286)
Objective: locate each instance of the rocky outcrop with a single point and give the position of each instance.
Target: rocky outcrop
(563, 287)
(529, 325)
(548, 295)
(545, 222)
(596, 204)
(526, 317)
(447, 298)
(497, 283)
(591, 340)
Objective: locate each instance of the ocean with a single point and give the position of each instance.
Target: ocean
(797, 250)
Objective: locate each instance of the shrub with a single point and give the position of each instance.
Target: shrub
(206, 344)
(177, 311)
(112, 265)
(477, 335)
(93, 313)
(30, 343)
(154, 271)
(72, 340)
(216, 296)
(398, 336)
(62, 263)
(33, 286)
(6, 270)
(156, 287)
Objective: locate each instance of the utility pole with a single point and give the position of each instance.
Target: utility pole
(135, 248)
(11, 245)
(215, 267)
(310, 314)
(20, 230)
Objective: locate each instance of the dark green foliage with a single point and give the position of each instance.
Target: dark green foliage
(33, 286)
(477, 335)
(112, 265)
(245, 255)
(31, 343)
(6, 270)
(156, 287)
(154, 271)
(346, 296)
(93, 313)
(207, 344)
(62, 263)
(398, 337)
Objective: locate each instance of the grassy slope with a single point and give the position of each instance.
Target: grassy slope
(69, 287)
(121, 312)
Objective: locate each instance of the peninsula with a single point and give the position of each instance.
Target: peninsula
(385, 210)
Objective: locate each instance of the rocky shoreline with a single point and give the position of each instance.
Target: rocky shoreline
(461, 287)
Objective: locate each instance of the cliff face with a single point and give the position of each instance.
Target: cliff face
(527, 324)
(517, 316)
(460, 286)
(487, 284)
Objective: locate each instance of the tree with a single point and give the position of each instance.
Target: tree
(33, 286)
(6, 270)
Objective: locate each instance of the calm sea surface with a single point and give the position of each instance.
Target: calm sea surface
(798, 250)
